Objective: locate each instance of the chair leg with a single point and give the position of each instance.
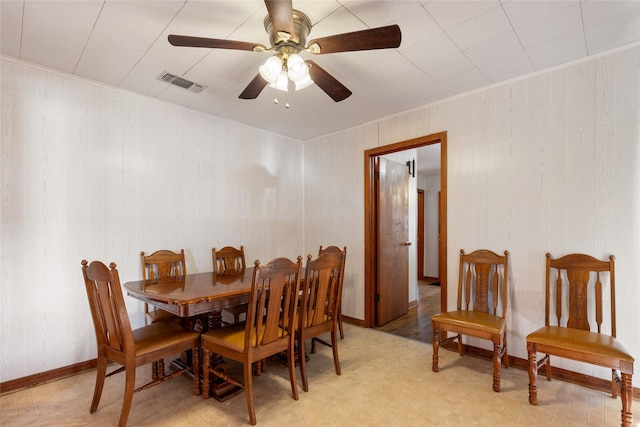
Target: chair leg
(205, 373)
(460, 346)
(436, 346)
(302, 364)
(533, 373)
(157, 370)
(248, 392)
(505, 352)
(496, 366)
(334, 348)
(196, 371)
(291, 359)
(340, 324)
(129, 386)
(626, 393)
(259, 367)
(154, 370)
(548, 366)
(101, 373)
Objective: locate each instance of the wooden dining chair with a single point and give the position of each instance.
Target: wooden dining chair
(118, 343)
(319, 307)
(481, 312)
(342, 253)
(162, 263)
(577, 328)
(230, 260)
(273, 305)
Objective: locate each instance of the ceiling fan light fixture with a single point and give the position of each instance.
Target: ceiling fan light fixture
(296, 68)
(302, 83)
(271, 69)
(282, 82)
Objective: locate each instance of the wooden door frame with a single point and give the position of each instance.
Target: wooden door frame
(370, 225)
(420, 236)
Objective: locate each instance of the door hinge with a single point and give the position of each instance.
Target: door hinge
(376, 297)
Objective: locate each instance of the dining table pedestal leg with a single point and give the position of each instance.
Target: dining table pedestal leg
(222, 386)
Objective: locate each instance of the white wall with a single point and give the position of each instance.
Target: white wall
(549, 163)
(334, 205)
(431, 225)
(93, 172)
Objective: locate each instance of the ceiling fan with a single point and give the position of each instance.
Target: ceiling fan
(288, 30)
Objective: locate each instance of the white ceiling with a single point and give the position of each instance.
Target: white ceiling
(448, 47)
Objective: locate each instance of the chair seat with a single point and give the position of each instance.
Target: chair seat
(158, 336)
(231, 336)
(585, 343)
(472, 320)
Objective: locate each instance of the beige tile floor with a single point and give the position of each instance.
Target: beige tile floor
(386, 381)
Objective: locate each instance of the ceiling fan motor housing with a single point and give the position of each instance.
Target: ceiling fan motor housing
(301, 25)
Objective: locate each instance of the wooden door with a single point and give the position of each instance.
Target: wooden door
(393, 241)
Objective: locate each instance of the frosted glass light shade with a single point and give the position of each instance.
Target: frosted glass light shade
(282, 82)
(297, 69)
(271, 69)
(306, 81)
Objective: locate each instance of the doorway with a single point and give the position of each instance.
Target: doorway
(371, 226)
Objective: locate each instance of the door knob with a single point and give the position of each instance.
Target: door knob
(407, 243)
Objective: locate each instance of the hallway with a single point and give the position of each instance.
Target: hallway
(416, 324)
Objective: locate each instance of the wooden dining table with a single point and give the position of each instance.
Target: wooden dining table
(198, 299)
(196, 295)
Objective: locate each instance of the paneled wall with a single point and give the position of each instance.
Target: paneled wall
(549, 163)
(546, 163)
(93, 172)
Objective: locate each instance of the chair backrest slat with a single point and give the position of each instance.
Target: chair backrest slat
(467, 290)
(322, 289)
(273, 302)
(481, 300)
(598, 302)
(559, 288)
(342, 255)
(578, 294)
(228, 260)
(163, 263)
(483, 282)
(578, 278)
(108, 309)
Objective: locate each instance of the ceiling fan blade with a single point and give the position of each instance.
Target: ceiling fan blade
(374, 38)
(281, 13)
(254, 88)
(189, 41)
(325, 81)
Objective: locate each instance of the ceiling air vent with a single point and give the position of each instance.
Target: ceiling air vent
(179, 81)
